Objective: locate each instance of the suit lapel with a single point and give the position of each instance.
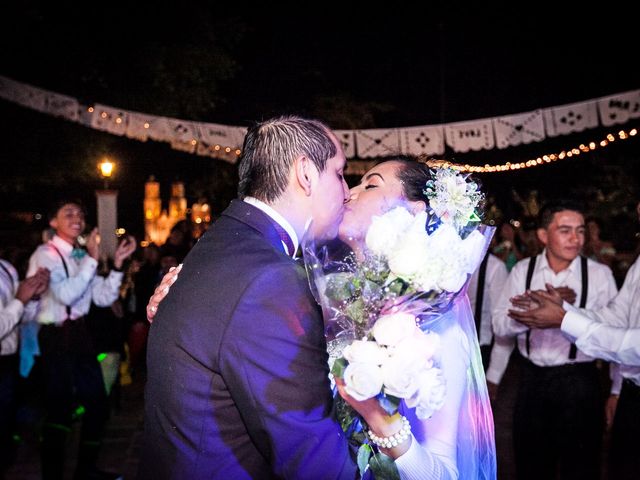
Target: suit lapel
(256, 219)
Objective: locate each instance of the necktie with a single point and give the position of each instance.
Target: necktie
(286, 239)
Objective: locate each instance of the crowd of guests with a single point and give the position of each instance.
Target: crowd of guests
(73, 328)
(566, 401)
(72, 331)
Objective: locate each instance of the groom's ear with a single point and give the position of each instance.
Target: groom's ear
(302, 167)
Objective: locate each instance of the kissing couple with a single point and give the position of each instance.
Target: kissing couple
(238, 380)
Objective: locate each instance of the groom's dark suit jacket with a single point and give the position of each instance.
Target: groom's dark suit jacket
(237, 384)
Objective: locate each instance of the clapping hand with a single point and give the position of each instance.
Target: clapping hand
(566, 293)
(545, 309)
(93, 243)
(556, 294)
(161, 291)
(33, 286)
(125, 248)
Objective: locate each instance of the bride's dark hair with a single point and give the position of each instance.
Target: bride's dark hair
(414, 173)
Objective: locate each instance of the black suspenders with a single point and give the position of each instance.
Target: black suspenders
(66, 270)
(584, 272)
(482, 273)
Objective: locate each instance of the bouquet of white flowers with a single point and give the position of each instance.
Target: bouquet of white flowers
(378, 307)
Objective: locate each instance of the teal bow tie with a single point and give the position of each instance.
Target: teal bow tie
(78, 253)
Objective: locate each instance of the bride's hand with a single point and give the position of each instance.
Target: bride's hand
(376, 417)
(161, 291)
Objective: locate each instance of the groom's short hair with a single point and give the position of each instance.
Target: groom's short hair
(270, 148)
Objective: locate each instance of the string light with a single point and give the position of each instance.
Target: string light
(487, 168)
(544, 159)
(193, 141)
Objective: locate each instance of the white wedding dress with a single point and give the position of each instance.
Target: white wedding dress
(457, 442)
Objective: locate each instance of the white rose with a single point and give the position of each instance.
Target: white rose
(417, 349)
(427, 343)
(431, 393)
(400, 377)
(409, 255)
(363, 380)
(429, 276)
(445, 238)
(454, 277)
(390, 329)
(363, 351)
(384, 230)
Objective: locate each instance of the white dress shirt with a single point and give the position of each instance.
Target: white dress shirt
(617, 344)
(276, 217)
(10, 309)
(548, 347)
(495, 278)
(77, 290)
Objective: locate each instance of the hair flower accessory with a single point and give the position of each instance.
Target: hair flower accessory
(452, 198)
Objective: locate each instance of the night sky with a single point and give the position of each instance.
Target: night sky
(353, 65)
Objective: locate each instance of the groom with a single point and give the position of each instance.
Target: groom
(237, 370)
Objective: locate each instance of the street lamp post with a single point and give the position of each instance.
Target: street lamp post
(106, 167)
(107, 204)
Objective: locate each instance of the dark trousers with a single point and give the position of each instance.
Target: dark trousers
(558, 422)
(625, 454)
(72, 378)
(485, 352)
(8, 381)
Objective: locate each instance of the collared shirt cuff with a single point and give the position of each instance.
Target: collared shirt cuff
(568, 307)
(88, 262)
(575, 324)
(116, 274)
(16, 308)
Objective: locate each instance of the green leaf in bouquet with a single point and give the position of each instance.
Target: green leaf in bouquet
(340, 286)
(371, 290)
(383, 467)
(356, 311)
(398, 287)
(338, 367)
(375, 269)
(364, 454)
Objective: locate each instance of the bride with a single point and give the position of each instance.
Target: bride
(457, 441)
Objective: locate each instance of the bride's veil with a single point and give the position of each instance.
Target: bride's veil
(476, 453)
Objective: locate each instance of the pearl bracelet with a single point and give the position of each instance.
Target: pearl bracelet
(392, 440)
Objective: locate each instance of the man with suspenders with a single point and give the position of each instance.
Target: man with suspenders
(559, 410)
(485, 287)
(14, 294)
(70, 368)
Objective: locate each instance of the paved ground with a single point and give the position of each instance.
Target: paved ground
(121, 441)
(123, 436)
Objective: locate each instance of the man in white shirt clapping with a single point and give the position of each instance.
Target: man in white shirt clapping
(71, 371)
(611, 332)
(559, 410)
